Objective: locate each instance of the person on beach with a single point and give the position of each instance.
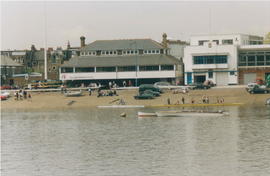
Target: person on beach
(29, 96)
(192, 101)
(24, 94)
(110, 84)
(183, 100)
(124, 83)
(204, 99)
(168, 101)
(90, 91)
(20, 94)
(207, 100)
(177, 102)
(17, 95)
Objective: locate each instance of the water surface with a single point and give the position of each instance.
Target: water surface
(100, 142)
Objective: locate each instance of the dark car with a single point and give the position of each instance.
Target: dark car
(154, 93)
(144, 96)
(258, 89)
(200, 86)
(145, 87)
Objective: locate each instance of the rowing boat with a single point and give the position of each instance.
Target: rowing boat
(146, 114)
(73, 93)
(189, 113)
(122, 106)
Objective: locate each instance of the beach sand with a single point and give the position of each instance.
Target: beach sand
(54, 100)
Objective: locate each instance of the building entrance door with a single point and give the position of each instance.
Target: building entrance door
(199, 78)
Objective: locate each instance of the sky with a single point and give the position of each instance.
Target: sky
(54, 23)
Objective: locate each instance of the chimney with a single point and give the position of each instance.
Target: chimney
(82, 41)
(33, 48)
(68, 45)
(164, 39)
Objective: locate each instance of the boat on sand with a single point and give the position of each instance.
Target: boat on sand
(73, 93)
(146, 114)
(190, 113)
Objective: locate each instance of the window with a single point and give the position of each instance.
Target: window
(201, 42)
(267, 60)
(119, 52)
(149, 51)
(126, 68)
(54, 68)
(153, 51)
(217, 59)
(128, 52)
(157, 51)
(107, 52)
(67, 70)
(260, 60)
(84, 69)
(114, 52)
(103, 52)
(124, 52)
(105, 69)
(167, 67)
(111, 52)
(210, 74)
(136, 51)
(131, 51)
(216, 41)
(251, 60)
(232, 73)
(149, 68)
(227, 42)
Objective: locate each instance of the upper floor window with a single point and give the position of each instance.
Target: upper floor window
(149, 68)
(105, 69)
(227, 42)
(201, 42)
(217, 59)
(167, 67)
(84, 69)
(66, 69)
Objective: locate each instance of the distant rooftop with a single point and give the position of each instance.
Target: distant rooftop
(125, 44)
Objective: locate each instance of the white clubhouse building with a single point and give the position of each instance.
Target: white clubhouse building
(215, 58)
(133, 60)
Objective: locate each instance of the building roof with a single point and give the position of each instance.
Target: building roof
(7, 61)
(125, 44)
(255, 47)
(91, 61)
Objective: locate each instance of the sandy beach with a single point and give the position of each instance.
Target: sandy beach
(52, 100)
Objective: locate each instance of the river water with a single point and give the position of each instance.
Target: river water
(80, 142)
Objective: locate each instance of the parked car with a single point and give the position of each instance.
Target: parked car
(144, 96)
(4, 87)
(154, 93)
(144, 87)
(258, 89)
(199, 86)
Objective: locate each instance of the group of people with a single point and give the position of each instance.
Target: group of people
(106, 93)
(22, 94)
(205, 100)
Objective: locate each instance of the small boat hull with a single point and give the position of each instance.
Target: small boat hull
(73, 94)
(188, 114)
(146, 114)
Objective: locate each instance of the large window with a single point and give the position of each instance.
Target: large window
(105, 69)
(149, 68)
(217, 59)
(126, 68)
(260, 58)
(227, 42)
(167, 67)
(84, 69)
(66, 70)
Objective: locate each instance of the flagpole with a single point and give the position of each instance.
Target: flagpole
(45, 41)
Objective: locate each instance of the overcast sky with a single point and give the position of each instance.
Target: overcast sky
(23, 23)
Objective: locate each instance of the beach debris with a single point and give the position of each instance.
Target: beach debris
(71, 102)
(123, 114)
(114, 101)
